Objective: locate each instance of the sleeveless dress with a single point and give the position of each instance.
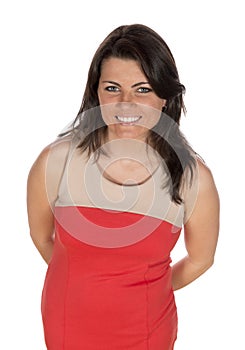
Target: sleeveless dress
(108, 284)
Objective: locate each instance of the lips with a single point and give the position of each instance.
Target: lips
(128, 120)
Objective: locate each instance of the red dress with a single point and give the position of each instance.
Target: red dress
(108, 285)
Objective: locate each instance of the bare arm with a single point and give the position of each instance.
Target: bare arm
(42, 189)
(40, 213)
(201, 233)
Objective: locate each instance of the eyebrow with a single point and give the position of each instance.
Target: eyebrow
(117, 84)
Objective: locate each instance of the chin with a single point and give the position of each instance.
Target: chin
(129, 132)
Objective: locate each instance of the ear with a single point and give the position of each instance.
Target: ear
(164, 105)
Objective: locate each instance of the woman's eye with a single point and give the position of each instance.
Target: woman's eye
(112, 88)
(144, 90)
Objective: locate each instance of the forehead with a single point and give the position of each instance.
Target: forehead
(123, 69)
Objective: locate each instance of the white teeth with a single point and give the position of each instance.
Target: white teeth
(127, 119)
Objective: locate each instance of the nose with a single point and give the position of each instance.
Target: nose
(126, 96)
(126, 102)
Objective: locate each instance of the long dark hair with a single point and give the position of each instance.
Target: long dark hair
(141, 43)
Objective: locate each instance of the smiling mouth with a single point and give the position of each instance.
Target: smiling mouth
(128, 120)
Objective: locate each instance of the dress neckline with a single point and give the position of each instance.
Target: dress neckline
(109, 179)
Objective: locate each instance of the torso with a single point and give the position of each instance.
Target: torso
(108, 285)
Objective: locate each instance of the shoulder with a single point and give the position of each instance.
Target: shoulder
(50, 161)
(46, 172)
(57, 150)
(202, 191)
(205, 177)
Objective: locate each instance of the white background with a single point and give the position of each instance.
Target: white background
(46, 49)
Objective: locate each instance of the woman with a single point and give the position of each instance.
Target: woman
(108, 199)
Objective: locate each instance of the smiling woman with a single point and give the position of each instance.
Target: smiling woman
(107, 202)
(124, 84)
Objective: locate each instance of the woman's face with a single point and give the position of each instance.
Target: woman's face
(128, 104)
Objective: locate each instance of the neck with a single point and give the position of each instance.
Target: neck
(128, 149)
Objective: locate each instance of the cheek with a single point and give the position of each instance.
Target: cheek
(100, 97)
(107, 111)
(151, 119)
(158, 103)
